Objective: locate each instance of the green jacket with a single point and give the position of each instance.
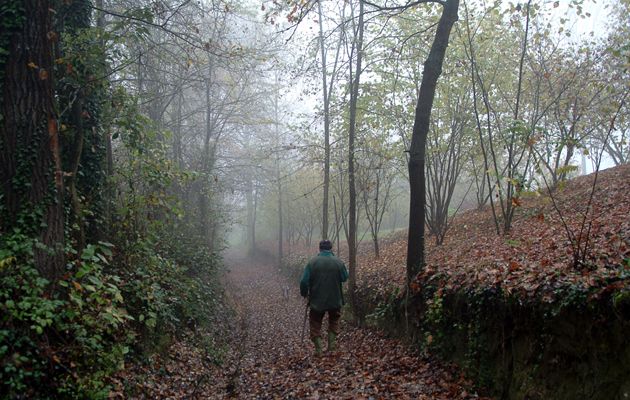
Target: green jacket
(321, 281)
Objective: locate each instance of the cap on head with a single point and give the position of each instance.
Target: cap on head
(325, 245)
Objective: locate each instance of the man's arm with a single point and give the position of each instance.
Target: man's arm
(304, 281)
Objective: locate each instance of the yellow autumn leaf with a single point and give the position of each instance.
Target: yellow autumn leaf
(7, 261)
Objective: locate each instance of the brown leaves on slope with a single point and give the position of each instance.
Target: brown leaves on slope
(535, 258)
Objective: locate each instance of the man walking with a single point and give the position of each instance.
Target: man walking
(321, 284)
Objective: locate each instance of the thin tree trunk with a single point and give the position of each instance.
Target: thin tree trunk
(432, 70)
(337, 226)
(177, 134)
(484, 152)
(352, 221)
(204, 187)
(511, 188)
(107, 137)
(326, 126)
(77, 150)
(250, 217)
(280, 222)
(254, 250)
(279, 181)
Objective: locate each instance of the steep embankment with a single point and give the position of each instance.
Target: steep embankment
(515, 309)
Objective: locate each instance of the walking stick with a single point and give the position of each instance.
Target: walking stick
(304, 325)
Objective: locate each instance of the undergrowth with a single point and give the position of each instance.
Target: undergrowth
(64, 339)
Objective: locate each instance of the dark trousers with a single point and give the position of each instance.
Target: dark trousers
(315, 321)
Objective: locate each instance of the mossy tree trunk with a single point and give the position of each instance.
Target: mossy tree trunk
(30, 163)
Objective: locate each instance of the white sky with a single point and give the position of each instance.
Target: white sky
(581, 28)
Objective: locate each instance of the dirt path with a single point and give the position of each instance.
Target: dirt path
(272, 362)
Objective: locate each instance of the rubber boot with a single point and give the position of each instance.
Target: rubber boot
(332, 346)
(318, 346)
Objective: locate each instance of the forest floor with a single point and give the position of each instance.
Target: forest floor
(263, 353)
(535, 259)
(266, 358)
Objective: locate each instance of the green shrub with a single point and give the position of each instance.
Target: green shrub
(61, 339)
(169, 284)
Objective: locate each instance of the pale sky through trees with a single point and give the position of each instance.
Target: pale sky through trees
(303, 98)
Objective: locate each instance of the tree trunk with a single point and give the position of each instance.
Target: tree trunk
(104, 233)
(279, 181)
(30, 162)
(204, 189)
(250, 218)
(352, 195)
(177, 132)
(430, 75)
(77, 150)
(253, 231)
(326, 126)
(512, 190)
(337, 226)
(280, 222)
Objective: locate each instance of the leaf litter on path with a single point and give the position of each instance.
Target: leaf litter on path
(267, 359)
(277, 364)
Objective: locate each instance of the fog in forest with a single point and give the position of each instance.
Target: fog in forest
(270, 152)
(147, 144)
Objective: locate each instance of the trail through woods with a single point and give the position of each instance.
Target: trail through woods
(276, 364)
(267, 360)
(264, 358)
